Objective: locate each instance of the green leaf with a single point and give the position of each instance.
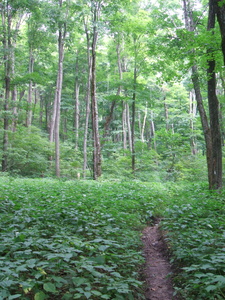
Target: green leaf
(211, 288)
(96, 293)
(79, 280)
(49, 287)
(14, 296)
(87, 294)
(105, 297)
(40, 296)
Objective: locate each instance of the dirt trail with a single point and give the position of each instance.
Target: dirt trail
(159, 284)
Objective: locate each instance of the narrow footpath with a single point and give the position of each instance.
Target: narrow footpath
(157, 270)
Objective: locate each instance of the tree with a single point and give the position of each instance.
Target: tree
(211, 133)
(216, 158)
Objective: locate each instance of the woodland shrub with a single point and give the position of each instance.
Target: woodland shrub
(28, 152)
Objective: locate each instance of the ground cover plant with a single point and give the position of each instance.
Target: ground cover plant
(73, 240)
(81, 239)
(195, 228)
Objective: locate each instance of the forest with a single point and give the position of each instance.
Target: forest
(112, 117)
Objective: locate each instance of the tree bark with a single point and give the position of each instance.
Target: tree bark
(124, 124)
(58, 99)
(29, 98)
(207, 130)
(192, 113)
(77, 113)
(7, 46)
(220, 13)
(166, 114)
(144, 124)
(94, 104)
(214, 107)
(128, 125)
(55, 122)
(133, 119)
(88, 102)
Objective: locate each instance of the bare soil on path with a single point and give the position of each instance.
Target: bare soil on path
(157, 271)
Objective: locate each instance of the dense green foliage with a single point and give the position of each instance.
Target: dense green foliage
(72, 240)
(147, 35)
(196, 233)
(81, 240)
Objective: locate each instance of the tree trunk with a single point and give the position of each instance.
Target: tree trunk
(77, 113)
(77, 103)
(189, 24)
(133, 119)
(55, 122)
(124, 124)
(214, 108)
(58, 99)
(205, 123)
(94, 104)
(7, 46)
(128, 126)
(144, 124)
(220, 13)
(109, 119)
(88, 92)
(192, 113)
(14, 96)
(29, 98)
(14, 91)
(152, 131)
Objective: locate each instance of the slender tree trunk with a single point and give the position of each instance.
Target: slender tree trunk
(128, 126)
(41, 111)
(14, 91)
(152, 131)
(109, 119)
(205, 123)
(220, 13)
(189, 24)
(58, 100)
(214, 107)
(192, 113)
(124, 113)
(77, 113)
(29, 98)
(55, 122)
(124, 124)
(144, 124)
(14, 96)
(77, 102)
(88, 102)
(94, 105)
(133, 119)
(6, 41)
(166, 115)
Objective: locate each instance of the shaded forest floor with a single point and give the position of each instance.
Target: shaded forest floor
(81, 240)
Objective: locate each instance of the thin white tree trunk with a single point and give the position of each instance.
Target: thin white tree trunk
(77, 113)
(58, 103)
(128, 126)
(29, 98)
(144, 123)
(124, 122)
(88, 104)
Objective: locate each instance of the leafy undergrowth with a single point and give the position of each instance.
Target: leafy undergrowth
(73, 240)
(195, 229)
(81, 240)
